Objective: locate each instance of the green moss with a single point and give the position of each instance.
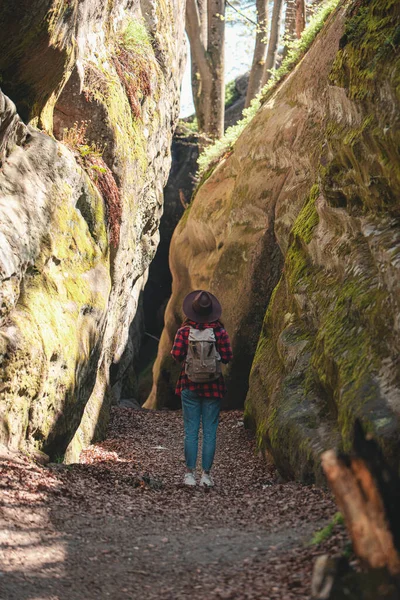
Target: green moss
(204, 175)
(363, 175)
(352, 136)
(347, 354)
(324, 534)
(297, 264)
(301, 375)
(54, 297)
(278, 396)
(328, 330)
(308, 218)
(135, 37)
(129, 136)
(265, 333)
(15, 376)
(122, 94)
(46, 292)
(73, 242)
(370, 48)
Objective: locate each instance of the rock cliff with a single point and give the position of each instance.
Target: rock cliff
(81, 192)
(297, 232)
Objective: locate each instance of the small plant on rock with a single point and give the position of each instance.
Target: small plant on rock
(133, 66)
(325, 533)
(91, 159)
(75, 136)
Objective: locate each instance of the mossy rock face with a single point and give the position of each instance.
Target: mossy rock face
(51, 328)
(341, 273)
(81, 214)
(309, 200)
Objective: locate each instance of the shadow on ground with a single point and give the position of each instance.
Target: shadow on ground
(120, 524)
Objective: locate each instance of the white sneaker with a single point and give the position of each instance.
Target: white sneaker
(206, 480)
(189, 479)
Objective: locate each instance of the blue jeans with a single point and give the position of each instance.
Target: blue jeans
(196, 408)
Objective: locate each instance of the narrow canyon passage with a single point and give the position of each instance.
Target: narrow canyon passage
(113, 210)
(121, 525)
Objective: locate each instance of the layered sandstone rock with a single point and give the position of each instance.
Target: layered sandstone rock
(297, 233)
(80, 216)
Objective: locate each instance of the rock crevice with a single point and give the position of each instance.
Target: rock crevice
(303, 215)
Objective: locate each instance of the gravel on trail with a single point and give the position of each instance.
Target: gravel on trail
(121, 525)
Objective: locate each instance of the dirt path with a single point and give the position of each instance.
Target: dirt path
(120, 524)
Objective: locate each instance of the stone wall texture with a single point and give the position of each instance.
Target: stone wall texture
(81, 193)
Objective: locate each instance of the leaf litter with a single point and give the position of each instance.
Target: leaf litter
(121, 524)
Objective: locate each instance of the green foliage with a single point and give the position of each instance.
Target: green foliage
(296, 50)
(75, 138)
(324, 534)
(88, 149)
(98, 169)
(136, 38)
(231, 93)
(212, 154)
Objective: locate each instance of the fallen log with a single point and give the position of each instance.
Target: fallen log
(367, 492)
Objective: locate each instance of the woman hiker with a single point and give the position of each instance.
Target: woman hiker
(202, 343)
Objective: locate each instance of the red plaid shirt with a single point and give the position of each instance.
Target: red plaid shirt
(209, 389)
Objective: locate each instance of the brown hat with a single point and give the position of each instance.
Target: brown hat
(202, 307)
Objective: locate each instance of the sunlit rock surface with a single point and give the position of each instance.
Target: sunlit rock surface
(79, 216)
(297, 233)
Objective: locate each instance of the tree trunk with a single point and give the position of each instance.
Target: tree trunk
(203, 15)
(207, 57)
(260, 52)
(367, 493)
(290, 24)
(216, 53)
(273, 40)
(300, 17)
(196, 78)
(196, 91)
(363, 510)
(197, 32)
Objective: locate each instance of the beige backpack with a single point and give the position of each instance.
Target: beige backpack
(203, 363)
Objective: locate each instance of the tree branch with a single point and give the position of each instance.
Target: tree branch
(240, 13)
